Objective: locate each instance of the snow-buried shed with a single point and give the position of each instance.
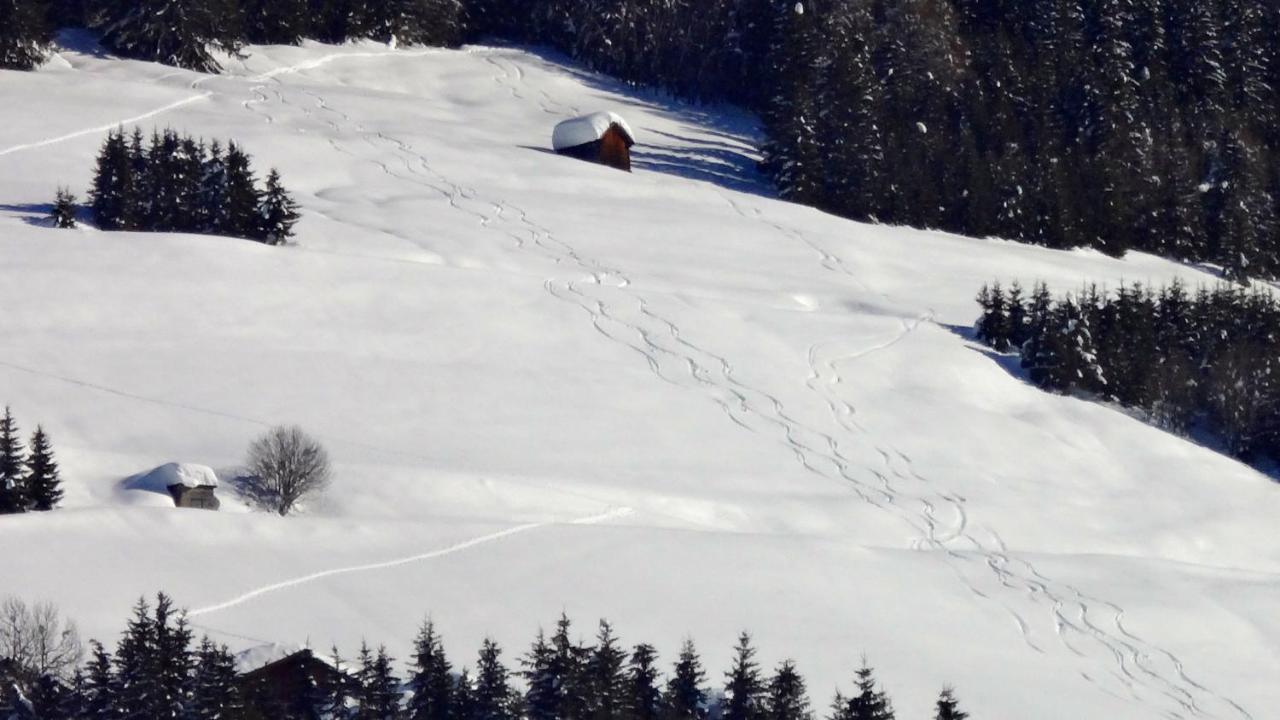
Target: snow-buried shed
(602, 137)
(190, 486)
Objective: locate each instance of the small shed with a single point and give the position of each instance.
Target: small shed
(602, 137)
(190, 486)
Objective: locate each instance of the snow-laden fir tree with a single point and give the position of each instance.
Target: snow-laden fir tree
(13, 459)
(41, 484)
(275, 22)
(869, 703)
(214, 691)
(379, 697)
(279, 212)
(24, 34)
(243, 199)
(114, 193)
(63, 213)
(948, 708)
(99, 685)
(184, 33)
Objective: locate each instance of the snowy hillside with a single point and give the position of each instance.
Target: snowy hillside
(663, 398)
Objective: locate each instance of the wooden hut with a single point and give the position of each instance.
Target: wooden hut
(190, 486)
(283, 683)
(602, 137)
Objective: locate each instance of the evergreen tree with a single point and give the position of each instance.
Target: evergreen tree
(685, 697)
(493, 698)
(870, 703)
(13, 495)
(744, 689)
(243, 199)
(137, 695)
(279, 212)
(114, 193)
(99, 685)
(431, 683)
(171, 660)
(643, 698)
(24, 34)
(275, 22)
(787, 698)
(173, 32)
(214, 694)
(379, 689)
(63, 213)
(463, 702)
(211, 206)
(42, 486)
(949, 707)
(606, 678)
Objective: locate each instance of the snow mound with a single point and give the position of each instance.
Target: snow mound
(168, 475)
(587, 129)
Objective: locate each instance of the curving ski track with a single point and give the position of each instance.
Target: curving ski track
(397, 562)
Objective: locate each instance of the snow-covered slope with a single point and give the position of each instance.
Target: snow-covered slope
(662, 397)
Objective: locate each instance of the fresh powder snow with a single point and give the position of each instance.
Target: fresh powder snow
(664, 398)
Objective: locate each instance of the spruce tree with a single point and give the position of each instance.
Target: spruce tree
(275, 22)
(279, 212)
(173, 32)
(644, 698)
(63, 213)
(786, 697)
(13, 496)
(24, 34)
(214, 693)
(114, 194)
(99, 685)
(463, 702)
(949, 707)
(136, 693)
(42, 486)
(431, 682)
(685, 697)
(379, 697)
(171, 648)
(744, 689)
(243, 199)
(606, 678)
(870, 703)
(493, 698)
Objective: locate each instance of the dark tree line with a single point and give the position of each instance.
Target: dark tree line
(190, 33)
(1208, 360)
(29, 479)
(1112, 124)
(158, 671)
(174, 183)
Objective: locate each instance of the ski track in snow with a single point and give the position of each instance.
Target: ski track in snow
(99, 129)
(599, 518)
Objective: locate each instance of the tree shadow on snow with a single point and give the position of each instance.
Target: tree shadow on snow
(36, 214)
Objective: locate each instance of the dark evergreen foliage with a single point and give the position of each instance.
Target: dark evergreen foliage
(1207, 362)
(64, 209)
(157, 672)
(431, 682)
(949, 707)
(685, 697)
(24, 34)
(174, 183)
(175, 32)
(42, 487)
(13, 460)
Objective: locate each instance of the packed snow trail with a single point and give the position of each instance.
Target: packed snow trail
(251, 595)
(99, 129)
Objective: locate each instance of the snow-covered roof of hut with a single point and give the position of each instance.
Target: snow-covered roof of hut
(166, 476)
(588, 129)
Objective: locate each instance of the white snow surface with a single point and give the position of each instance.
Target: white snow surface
(682, 405)
(170, 474)
(586, 129)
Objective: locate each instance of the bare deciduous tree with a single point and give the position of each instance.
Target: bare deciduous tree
(284, 466)
(38, 639)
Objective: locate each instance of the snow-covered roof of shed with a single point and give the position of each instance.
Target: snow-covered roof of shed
(260, 656)
(166, 476)
(587, 129)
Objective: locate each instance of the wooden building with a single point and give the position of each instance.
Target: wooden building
(602, 137)
(277, 688)
(190, 486)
